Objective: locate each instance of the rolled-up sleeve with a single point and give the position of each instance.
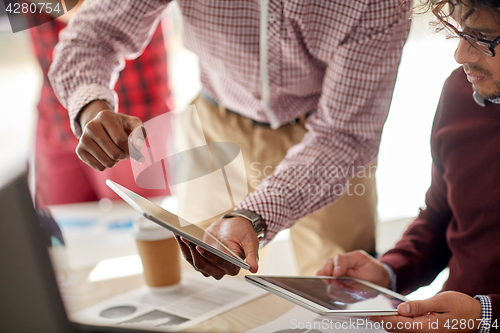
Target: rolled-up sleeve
(344, 132)
(92, 50)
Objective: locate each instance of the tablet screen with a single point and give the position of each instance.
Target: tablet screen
(336, 293)
(172, 222)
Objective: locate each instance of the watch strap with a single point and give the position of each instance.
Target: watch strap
(254, 218)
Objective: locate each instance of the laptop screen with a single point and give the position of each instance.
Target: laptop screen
(30, 299)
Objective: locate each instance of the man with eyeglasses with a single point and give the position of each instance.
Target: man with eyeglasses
(460, 226)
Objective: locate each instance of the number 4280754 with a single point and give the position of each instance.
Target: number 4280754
(32, 8)
(455, 324)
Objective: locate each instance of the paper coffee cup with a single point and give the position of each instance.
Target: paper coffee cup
(159, 254)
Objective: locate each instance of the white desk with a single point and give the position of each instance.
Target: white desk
(93, 234)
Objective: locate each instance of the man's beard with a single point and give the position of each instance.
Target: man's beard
(496, 93)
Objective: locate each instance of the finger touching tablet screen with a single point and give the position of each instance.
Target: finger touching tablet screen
(329, 295)
(170, 221)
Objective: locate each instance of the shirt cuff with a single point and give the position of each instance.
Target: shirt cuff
(392, 276)
(83, 96)
(486, 312)
(272, 209)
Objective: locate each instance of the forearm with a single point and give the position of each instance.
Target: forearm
(93, 47)
(423, 250)
(313, 175)
(419, 256)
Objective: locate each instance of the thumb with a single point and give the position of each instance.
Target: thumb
(250, 248)
(137, 131)
(134, 126)
(136, 140)
(343, 263)
(418, 308)
(137, 137)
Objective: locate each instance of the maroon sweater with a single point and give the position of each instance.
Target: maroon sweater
(460, 226)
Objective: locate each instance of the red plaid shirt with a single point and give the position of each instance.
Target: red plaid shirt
(338, 58)
(143, 87)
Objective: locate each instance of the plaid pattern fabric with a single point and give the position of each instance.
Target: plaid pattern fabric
(334, 57)
(486, 313)
(143, 88)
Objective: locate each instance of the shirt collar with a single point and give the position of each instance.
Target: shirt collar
(494, 100)
(481, 101)
(478, 99)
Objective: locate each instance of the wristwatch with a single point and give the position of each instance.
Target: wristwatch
(258, 225)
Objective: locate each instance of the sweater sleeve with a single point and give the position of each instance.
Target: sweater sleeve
(423, 251)
(495, 313)
(92, 50)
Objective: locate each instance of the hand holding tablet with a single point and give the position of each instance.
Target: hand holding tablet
(357, 264)
(328, 295)
(333, 293)
(238, 234)
(324, 295)
(196, 236)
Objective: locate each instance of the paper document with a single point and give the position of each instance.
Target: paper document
(195, 300)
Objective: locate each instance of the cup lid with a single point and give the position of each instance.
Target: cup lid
(144, 229)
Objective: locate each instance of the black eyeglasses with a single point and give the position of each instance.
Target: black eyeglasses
(483, 45)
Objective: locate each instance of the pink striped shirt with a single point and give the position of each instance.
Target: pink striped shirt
(338, 58)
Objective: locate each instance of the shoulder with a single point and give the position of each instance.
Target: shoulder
(457, 86)
(457, 101)
(456, 98)
(455, 106)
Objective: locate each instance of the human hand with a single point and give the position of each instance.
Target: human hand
(357, 264)
(105, 138)
(237, 234)
(448, 311)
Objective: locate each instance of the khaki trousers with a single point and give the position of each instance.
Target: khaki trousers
(346, 225)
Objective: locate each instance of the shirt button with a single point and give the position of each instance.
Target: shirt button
(271, 17)
(272, 67)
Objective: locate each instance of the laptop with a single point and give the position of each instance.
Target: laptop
(29, 296)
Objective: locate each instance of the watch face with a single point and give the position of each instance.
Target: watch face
(258, 227)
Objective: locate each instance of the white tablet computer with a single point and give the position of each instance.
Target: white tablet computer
(327, 295)
(170, 221)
